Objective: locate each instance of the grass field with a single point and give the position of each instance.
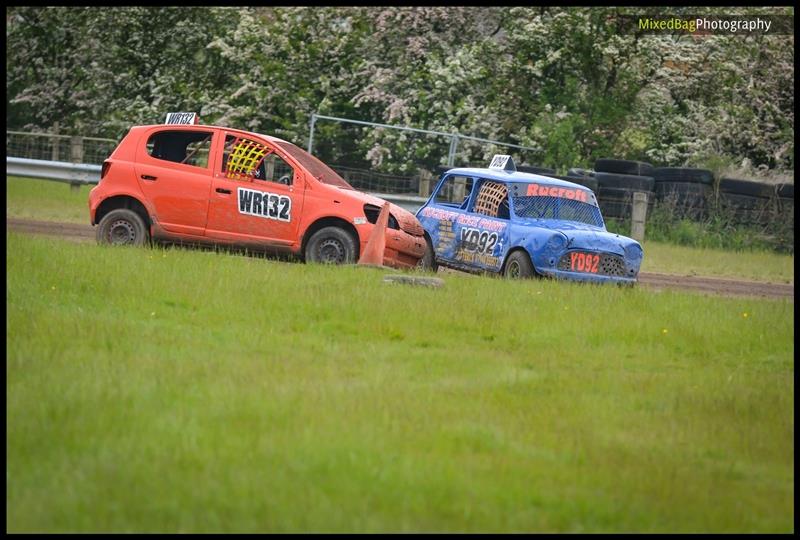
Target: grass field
(51, 201)
(170, 390)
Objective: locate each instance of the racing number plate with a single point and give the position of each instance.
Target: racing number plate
(584, 262)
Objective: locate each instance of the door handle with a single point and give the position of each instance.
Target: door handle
(221, 190)
(148, 177)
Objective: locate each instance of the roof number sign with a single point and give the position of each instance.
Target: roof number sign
(184, 118)
(502, 162)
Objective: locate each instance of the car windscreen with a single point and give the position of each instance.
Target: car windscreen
(537, 207)
(321, 172)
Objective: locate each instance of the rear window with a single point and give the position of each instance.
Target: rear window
(186, 147)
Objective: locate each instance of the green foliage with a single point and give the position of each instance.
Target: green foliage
(572, 83)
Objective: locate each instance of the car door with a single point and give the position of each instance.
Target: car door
(440, 217)
(174, 173)
(257, 193)
(481, 230)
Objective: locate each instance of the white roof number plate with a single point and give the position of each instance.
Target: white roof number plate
(502, 162)
(184, 118)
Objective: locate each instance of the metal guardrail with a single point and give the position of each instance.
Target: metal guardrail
(83, 173)
(58, 171)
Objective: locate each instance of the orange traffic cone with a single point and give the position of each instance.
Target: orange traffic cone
(376, 245)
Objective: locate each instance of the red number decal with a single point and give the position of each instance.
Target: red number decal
(594, 264)
(581, 261)
(572, 257)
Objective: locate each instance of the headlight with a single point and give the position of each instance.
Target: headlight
(556, 242)
(634, 252)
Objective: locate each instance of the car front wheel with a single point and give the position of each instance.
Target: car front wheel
(122, 227)
(331, 245)
(428, 260)
(519, 266)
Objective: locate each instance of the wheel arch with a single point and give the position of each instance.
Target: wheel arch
(122, 201)
(330, 221)
(514, 250)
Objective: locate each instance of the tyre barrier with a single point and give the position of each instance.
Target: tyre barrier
(786, 191)
(577, 172)
(618, 202)
(624, 181)
(534, 169)
(746, 187)
(622, 166)
(753, 203)
(685, 199)
(747, 210)
(586, 181)
(683, 175)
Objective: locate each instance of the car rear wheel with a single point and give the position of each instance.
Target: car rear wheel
(331, 245)
(122, 227)
(519, 266)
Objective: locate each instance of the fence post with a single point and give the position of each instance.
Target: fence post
(54, 142)
(638, 215)
(75, 156)
(311, 134)
(424, 183)
(451, 155)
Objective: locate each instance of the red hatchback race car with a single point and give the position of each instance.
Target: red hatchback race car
(189, 183)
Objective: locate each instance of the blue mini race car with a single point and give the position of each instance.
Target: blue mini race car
(522, 225)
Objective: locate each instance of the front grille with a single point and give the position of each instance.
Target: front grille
(609, 265)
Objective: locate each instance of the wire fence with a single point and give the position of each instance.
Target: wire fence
(371, 181)
(56, 147)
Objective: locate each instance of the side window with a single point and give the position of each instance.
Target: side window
(250, 160)
(277, 170)
(185, 147)
(492, 199)
(455, 191)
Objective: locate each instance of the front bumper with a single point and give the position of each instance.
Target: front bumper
(402, 250)
(589, 278)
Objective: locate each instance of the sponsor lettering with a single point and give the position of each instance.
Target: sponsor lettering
(477, 241)
(557, 191)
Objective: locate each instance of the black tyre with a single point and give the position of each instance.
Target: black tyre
(585, 181)
(618, 203)
(786, 191)
(428, 261)
(621, 166)
(683, 193)
(625, 181)
(535, 170)
(331, 245)
(615, 209)
(746, 187)
(683, 174)
(685, 199)
(519, 266)
(746, 209)
(122, 227)
(577, 172)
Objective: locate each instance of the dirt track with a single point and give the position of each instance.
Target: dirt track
(726, 287)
